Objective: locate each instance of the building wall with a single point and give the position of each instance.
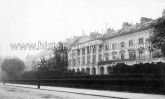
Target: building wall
(139, 52)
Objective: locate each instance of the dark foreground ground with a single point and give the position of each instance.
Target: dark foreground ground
(11, 92)
(19, 91)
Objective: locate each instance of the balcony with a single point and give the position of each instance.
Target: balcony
(144, 58)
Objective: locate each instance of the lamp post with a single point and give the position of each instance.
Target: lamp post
(38, 78)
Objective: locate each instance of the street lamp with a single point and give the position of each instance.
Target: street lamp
(38, 76)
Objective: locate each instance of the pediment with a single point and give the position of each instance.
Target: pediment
(83, 39)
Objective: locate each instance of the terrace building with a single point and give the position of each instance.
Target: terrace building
(96, 54)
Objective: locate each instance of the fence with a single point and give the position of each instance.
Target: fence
(131, 83)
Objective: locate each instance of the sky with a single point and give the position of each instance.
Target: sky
(30, 21)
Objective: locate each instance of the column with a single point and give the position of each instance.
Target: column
(90, 71)
(105, 70)
(91, 54)
(103, 52)
(86, 55)
(97, 53)
(80, 56)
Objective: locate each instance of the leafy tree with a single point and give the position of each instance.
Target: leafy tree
(158, 37)
(13, 67)
(56, 65)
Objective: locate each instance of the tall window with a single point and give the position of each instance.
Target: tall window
(78, 61)
(106, 56)
(114, 46)
(122, 56)
(83, 60)
(74, 62)
(141, 41)
(88, 59)
(114, 55)
(132, 55)
(140, 54)
(83, 51)
(100, 48)
(100, 57)
(94, 58)
(106, 47)
(88, 50)
(78, 52)
(130, 43)
(94, 48)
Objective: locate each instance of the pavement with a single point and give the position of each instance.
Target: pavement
(95, 93)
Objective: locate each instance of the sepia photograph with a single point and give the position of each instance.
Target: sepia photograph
(82, 49)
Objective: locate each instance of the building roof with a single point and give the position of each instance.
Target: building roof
(124, 31)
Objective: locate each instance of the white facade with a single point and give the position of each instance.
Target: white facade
(96, 55)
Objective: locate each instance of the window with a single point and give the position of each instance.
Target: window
(114, 55)
(140, 54)
(130, 43)
(88, 50)
(88, 59)
(94, 58)
(78, 52)
(141, 41)
(132, 55)
(94, 49)
(106, 47)
(100, 48)
(100, 57)
(78, 61)
(122, 44)
(122, 56)
(106, 56)
(83, 60)
(74, 62)
(83, 51)
(113, 46)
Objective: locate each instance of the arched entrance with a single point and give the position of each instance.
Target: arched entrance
(88, 71)
(102, 71)
(78, 70)
(82, 70)
(93, 71)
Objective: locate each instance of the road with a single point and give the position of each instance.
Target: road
(20, 91)
(14, 92)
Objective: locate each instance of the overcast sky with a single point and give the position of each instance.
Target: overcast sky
(29, 21)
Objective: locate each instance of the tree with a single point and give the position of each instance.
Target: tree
(13, 67)
(56, 65)
(158, 37)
